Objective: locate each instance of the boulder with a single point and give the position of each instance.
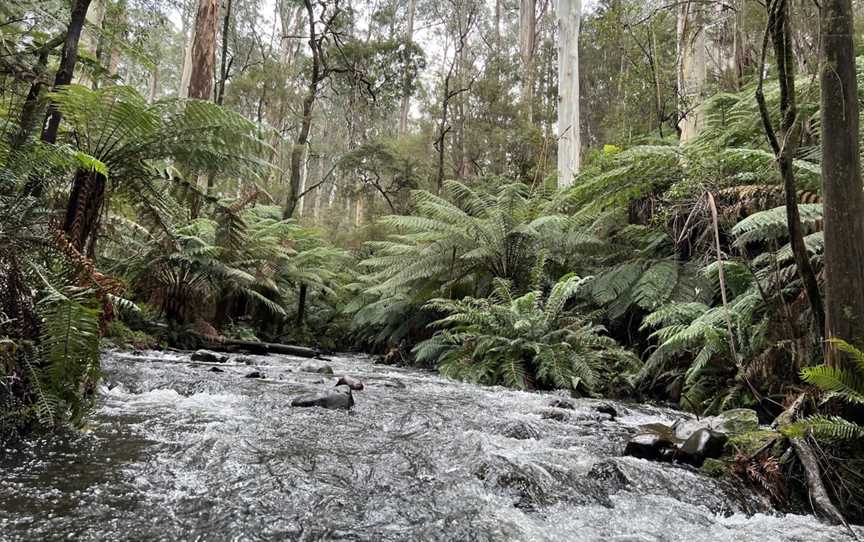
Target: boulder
(312, 367)
(206, 356)
(732, 423)
(701, 445)
(339, 398)
(244, 360)
(352, 383)
(255, 374)
(738, 421)
(651, 446)
(216, 370)
(606, 408)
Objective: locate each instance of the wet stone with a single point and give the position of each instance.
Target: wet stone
(255, 374)
(351, 382)
(206, 356)
(339, 398)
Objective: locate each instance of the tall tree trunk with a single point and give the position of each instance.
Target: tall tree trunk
(301, 304)
(153, 84)
(204, 50)
(527, 39)
(66, 71)
(186, 71)
(298, 151)
(786, 145)
(90, 36)
(406, 88)
(692, 68)
(842, 196)
(224, 66)
(569, 135)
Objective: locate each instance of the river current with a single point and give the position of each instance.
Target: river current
(175, 451)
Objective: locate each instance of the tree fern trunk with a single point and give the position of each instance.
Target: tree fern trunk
(83, 210)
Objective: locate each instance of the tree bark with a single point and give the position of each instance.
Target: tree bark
(84, 210)
(301, 304)
(692, 68)
(406, 97)
(298, 151)
(224, 66)
(786, 145)
(842, 197)
(66, 71)
(204, 50)
(569, 134)
(527, 38)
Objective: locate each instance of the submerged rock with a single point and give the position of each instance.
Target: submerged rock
(339, 398)
(206, 356)
(562, 403)
(351, 382)
(255, 374)
(216, 370)
(520, 430)
(557, 414)
(312, 367)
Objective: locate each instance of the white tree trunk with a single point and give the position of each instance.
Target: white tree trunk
(304, 170)
(406, 99)
(569, 137)
(692, 69)
(527, 37)
(186, 74)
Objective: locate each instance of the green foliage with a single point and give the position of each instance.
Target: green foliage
(845, 382)
(523, 342)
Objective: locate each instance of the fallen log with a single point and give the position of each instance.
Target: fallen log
(221, 344)
(820, 500)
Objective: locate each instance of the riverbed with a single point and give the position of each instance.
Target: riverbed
(177, 451)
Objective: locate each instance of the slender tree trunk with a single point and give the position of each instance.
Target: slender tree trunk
(299, 150)
(569, 133)
(204, 50)
(66, 71)
(786, 145)
(224, 66)
(842, 196)
(406, 89)
(527, 39)
(90, 36)
(692, 68)
(153, 85)
(186, 71)
(301, 305)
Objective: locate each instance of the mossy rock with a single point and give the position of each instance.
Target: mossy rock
(738, 421)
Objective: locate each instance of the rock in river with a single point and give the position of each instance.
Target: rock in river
(701, 445)
(352, 383)
(206, 356)
(312, 367)
(335, 399)
(255, 374)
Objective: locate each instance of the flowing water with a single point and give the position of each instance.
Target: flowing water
(177, 452)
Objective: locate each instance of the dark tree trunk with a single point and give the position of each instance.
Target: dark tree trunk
(225, 65)
(301, 305)
(842, 196)
(68, 59)
(786, 146)
(84, 210)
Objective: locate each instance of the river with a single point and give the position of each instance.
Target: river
(177, 452)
